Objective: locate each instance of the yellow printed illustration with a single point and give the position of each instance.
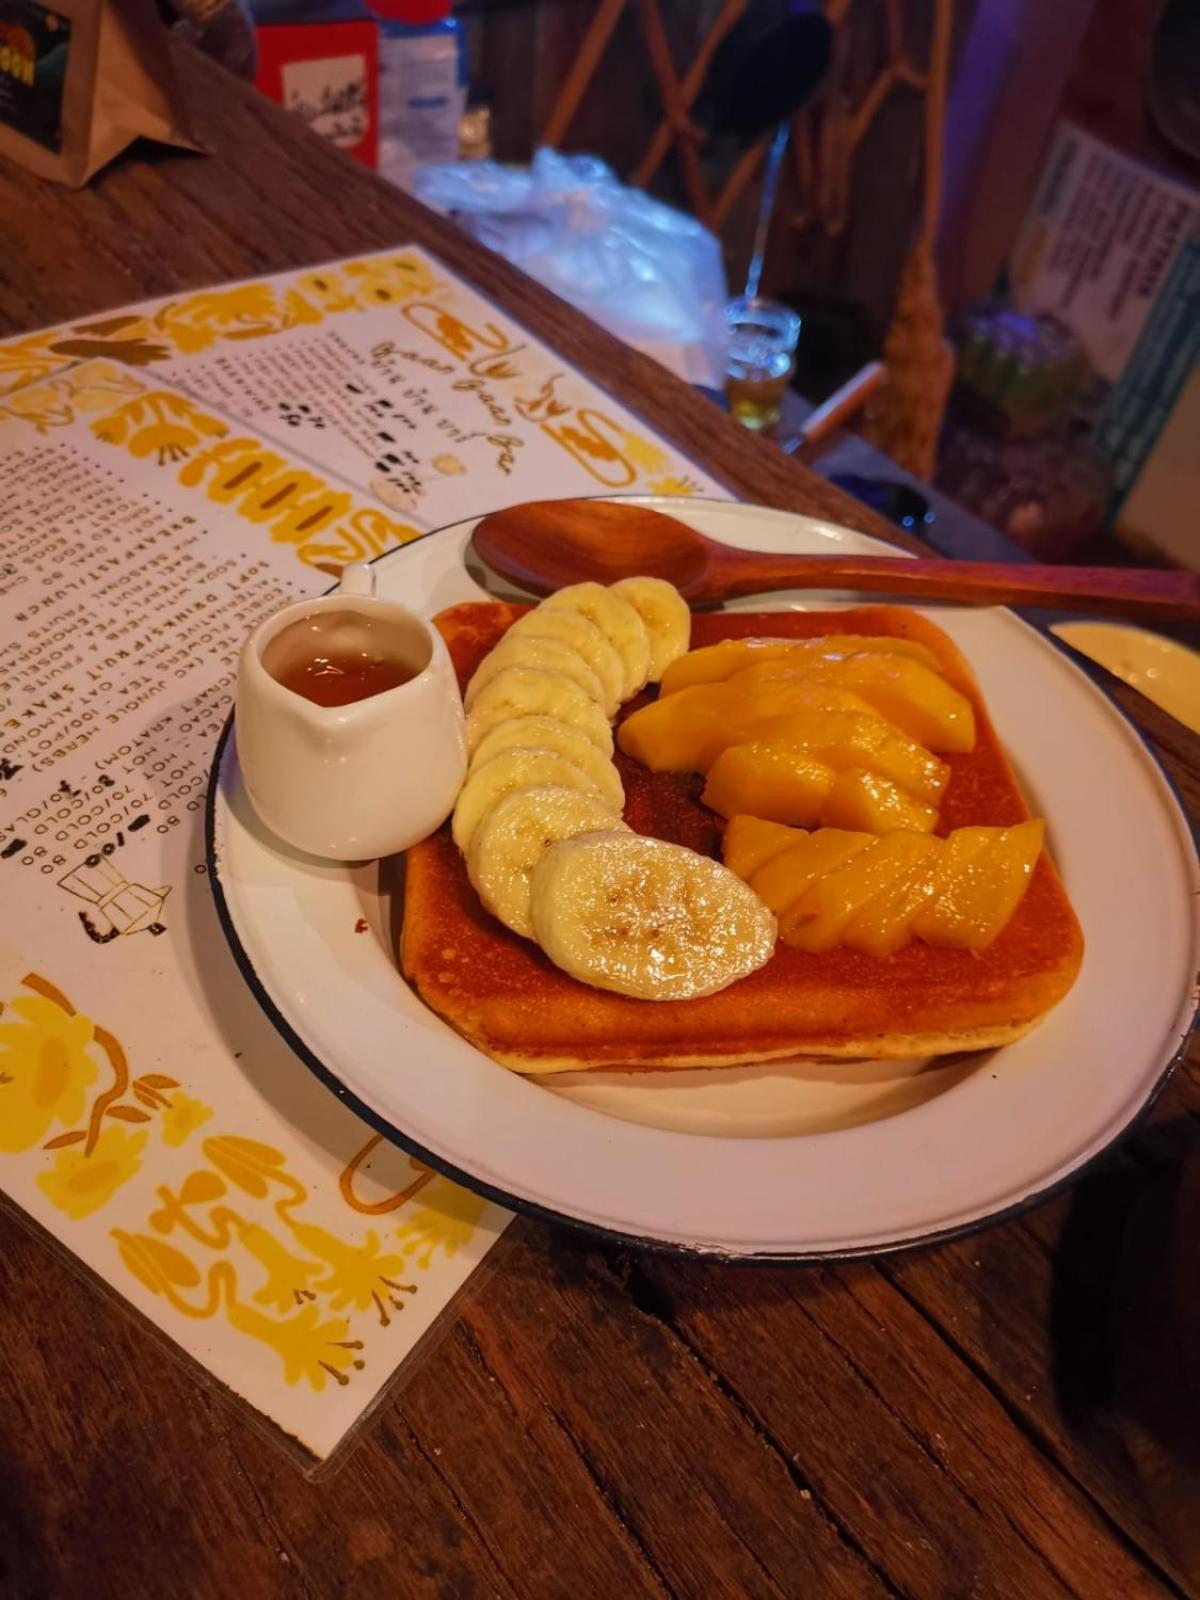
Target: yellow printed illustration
(166, 427)
(421, 361)
(195, 322)
(278, 1277)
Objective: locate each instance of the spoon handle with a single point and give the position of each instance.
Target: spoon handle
(1118, 591)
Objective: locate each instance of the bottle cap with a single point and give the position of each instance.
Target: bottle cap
(416, 13)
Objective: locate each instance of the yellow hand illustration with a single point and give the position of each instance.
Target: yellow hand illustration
(446, 1221)
(309, 1349)
(288, 1276)
(359, 1276)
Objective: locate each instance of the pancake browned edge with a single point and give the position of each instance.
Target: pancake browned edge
(500, 992)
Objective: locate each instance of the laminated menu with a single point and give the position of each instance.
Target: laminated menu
(172, 474)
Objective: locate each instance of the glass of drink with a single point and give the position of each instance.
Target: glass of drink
(761, 359)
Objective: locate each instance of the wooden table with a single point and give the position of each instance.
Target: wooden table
(595, 1423)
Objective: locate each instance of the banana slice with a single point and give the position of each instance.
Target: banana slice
(666, 614)
(511, 839)
(615, 618)
(647, 918)
(573, 628)
(562, 740)
(548, 655)
(512, 769)
(530, 692)
(538, 733)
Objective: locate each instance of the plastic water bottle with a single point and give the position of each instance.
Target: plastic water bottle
(422, 85)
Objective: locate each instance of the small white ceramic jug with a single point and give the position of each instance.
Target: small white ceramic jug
(352, 782)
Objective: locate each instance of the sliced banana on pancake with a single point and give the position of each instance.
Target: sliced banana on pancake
(513, 769)
(666, 614)
(573, 628)
(530, 692)
(646, 918)
(512, 838)
(540, 733)
(616, 619)
(548, 655)
(561, 740)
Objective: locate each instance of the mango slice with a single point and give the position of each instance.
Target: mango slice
(874, 804)
(905, 692)
(816, 921)
(686, 731)
(750, 842)
(847, 739)
(713, 663)
(782, 881)
(837, 886)
(885, 923)
(716, 662)
(783, 782)
(775, 781)
(680, 733)
(978, 902)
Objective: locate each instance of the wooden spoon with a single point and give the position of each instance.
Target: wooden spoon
(546, 544)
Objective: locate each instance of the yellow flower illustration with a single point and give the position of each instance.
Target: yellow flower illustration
(45, 1070)
(247, 311)
(646, 457)
(297, 312)
(326, 289)
(308, 1348)
(24, 360)
(79, 1184)
(447, 1220)
(673, 483)
(182, 1117)
(165, 425)
(450, 466)
(383, 283)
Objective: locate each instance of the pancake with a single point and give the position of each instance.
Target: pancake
(500, 992)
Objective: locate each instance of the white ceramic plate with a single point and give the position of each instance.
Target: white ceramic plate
(788, 1162)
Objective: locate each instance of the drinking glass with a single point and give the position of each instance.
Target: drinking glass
(761, 359)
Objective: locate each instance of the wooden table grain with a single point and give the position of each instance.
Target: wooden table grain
(944, 1423)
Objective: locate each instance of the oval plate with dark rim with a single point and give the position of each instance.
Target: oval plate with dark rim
(796, 1162)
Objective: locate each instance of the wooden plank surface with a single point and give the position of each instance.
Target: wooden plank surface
(941, 1424)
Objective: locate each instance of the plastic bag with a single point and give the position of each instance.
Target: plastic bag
(650, 275)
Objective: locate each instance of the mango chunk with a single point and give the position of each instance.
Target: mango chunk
(979, 900)
(837, 886)
(683, 732)
(715, 662)
(874, 804)
(686, 731)
(884, 923)
(888, 921)
(775, 781)
(782, 881)
(817, 920)
(750, 842)
(850, 739)
(904, 691)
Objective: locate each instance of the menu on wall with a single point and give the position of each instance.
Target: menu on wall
(171, 475)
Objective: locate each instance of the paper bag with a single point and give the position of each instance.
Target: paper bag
(81, 79)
